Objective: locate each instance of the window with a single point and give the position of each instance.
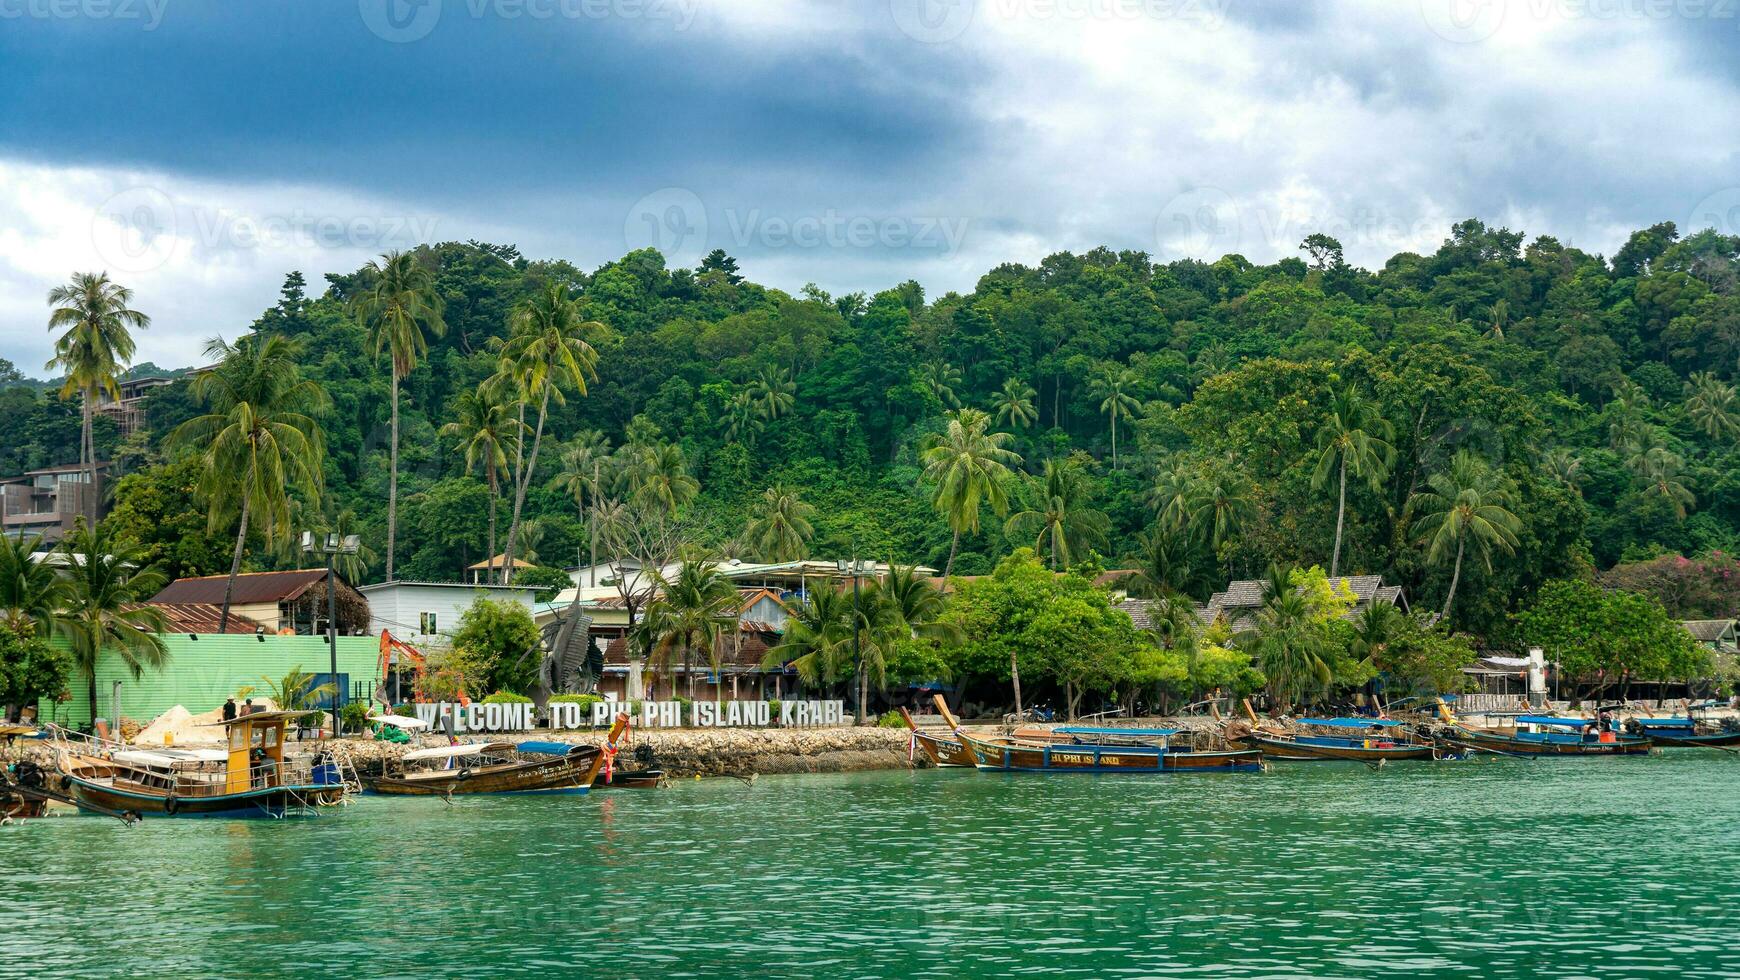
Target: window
(426, 624)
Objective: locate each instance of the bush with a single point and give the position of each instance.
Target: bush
(772, 711)
(890, 719)
(686, 711)
(504, 697)
(355, 715)
(583, 699)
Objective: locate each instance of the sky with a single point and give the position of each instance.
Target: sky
(199, 150)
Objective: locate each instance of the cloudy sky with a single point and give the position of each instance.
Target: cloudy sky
(199, 151)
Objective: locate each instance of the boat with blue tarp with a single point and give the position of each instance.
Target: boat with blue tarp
(1074, 748)
(1546, 735)
(1686, 732)
(1369, 740)
(473, 768)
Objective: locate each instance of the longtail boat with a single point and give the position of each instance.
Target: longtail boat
(249, 777)
(473, 768)
(944, 752)
(1544, 735)
(1105, 750)
(1685, 732)
(1369, 740)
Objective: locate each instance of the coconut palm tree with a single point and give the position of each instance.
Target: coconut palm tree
(773, 393)
(549, 350)
(486, 426)
(1221, 502)
(1013, 406)
(1113, 388)
(258, 440)
(1059, 521)
(658, 478)
(581, 476)
(1353, 439)
(1497, 319)
(31, 592)
(1468, 503)
(1290, 648)
(1173, 489)
(296, 691)
(95, 348)
(817, 641)
(779, 525)
(1562, 466)
(1659, 471)
(1211, 362)
(968, 466)
(399, 307)
(741, 422)
(1168, 562)
(1712, 406)
(942, 379)
(897, 608)
(695, 608)
(1626, 426)
(107, 609)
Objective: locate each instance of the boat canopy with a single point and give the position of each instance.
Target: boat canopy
(453, 751)
(1351, 722)
(1553, 720)
(547, 748)
(170, 757)
(1127, 732)
(1667, 722)
(401, 721)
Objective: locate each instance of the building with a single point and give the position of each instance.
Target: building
(1716, 635)
(426, 613)
(47, 501)
(293, 602)
(490, 570)
(128, 411)
(1239, 604)
(204, 669)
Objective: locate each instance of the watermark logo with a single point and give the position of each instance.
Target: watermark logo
(400, 21)
(1720, 211)
(135, 230)
(1200, 223)
(1463, 21)
(668, 219)
(933, 21)
(148, 13)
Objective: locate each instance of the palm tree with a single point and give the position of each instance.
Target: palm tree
(1290, 649)
(1167, 562)
(1373, 630)
(31, 592)
(1112, 388)
(773, 393)
(1498, 319)
(1659, 470)
(1712, 406)
(1467, 503)
(817, 641)
(548, 347)
(109, 586)
(1626, 426)
(1221, 503)
(1353, 439)
(399, 307)
(941, 379)
(485, 426)
(968, 466)
(779, 525)
(1059, 522)
(296, 690)
(259, 440)
(1562, 466)
(694, 608)
(96, 347)
(1174, 486)
(741, 422)
(581, 476)
(658, 478)
(1014, 406)
(1211, 362)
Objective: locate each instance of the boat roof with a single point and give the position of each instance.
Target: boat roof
(255, 717)
(1130, 732)
(547, 748)
(1553, 720)
(1666, 722)
(453, 751)
(401, 721)
(1351, 722)
(170, 757)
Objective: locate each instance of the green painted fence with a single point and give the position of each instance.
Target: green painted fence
(200, 673)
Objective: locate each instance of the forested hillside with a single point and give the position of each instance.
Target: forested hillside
(1190, 404)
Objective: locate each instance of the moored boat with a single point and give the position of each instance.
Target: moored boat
(1105, 750)
(945, 752)
(1544, 735)
(1685, 732)
(1369, 740)
(473, 768)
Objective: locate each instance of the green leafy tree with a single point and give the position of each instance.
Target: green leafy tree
(30, 667)
(1113, 390)
(1013, 406)
(31, 592)
(400, 307)
(485, 427)
(1609, 638)
(1467, 504)
(496, 646)
(1289, 641)
(942, 381)
(1059, 521)
(773, 393)
(779, 525)
(967, 466)
(1712, 406)
(107, 609)
(1355, 440)
(94, 348)
(581, 477)
(817, 642)
(695, 609)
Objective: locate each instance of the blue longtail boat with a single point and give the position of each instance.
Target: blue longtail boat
(1104, 750)
(1367, 740)
(1546, 735)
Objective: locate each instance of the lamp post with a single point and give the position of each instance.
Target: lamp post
(332, 546)
(857, 568)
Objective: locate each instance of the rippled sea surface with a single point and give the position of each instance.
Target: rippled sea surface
(1566, 869)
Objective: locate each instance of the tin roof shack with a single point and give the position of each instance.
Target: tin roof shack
(282, 602)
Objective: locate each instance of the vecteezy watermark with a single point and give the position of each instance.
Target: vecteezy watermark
(1720, 211)
(674, 218)
(940, 21)
(1207, 223)
(403, 21)
(141, 228)
(1468, 21)
(148, 13)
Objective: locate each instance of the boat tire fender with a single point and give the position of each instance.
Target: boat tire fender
(463, 775)
(171, 804)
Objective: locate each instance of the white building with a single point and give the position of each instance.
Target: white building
(427, 613)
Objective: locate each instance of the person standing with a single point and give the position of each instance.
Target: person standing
(230, 710)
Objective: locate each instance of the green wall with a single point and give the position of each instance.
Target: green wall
(200, 674)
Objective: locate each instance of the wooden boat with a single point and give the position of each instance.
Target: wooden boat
(1544, 735)
(1369, 740)
(948, 753)
(19, 799)
(1105, 750)
(631, 779)
(473, 768)
(249, 777)
(1684, 732)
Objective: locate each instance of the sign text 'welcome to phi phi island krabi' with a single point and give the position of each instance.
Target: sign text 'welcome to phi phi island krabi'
(651, 714)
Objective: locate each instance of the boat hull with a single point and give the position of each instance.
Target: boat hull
(947, 753)
(1694, 741)
(274, 802)
(1512, 745)
(1293, 750)
(571, 775)
(636, 779)
(1010, 756)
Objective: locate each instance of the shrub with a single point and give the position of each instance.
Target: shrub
(355, 715)
(504, 697)
(890, 719)
(772, 711)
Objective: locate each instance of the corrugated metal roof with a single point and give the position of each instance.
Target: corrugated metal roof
(200, 617)
(253, 587)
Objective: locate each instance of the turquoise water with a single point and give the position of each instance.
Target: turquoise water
(1576, 868)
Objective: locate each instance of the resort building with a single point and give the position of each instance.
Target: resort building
(427, 613)
(47, 501)
(128, 411)
(1238, 604)
(290, 603)
(1717, 635)
(489, 570)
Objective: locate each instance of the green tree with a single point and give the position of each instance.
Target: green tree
(1712, 406)
(581, 477)
(107, 609)
(30, 667)
(1221, 503)
(259, 441)
(1113, 390)
(967, 466)
(773, 393)
(1468, 503)
(1353, 439)
(695, 608)
(817, 642)
(497, 643)
(1289, 642)
(1059, 521)
(779, 525)
(942, 380)
(485, 426)
(96, 345)
(31, 592)
(399, 307)
(1610, 637)
(1013, 405)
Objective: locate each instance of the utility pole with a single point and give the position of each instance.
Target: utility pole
(333, 546)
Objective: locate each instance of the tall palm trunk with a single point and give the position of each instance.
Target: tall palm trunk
(392, 481)
(1015, 678)
(494, 505)
(1340, 515)
(1114, 439)
(88, 449)
(507, 562)
(949, 568)
(236, 556)
(1455, 577)
(500, 575)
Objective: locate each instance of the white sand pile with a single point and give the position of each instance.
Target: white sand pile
(177, 727)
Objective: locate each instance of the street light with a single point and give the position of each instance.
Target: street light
(332, 545)
(857, 568)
